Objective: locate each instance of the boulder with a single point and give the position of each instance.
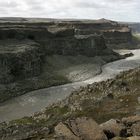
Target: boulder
(19, 60)
(80, 128)
(136, 129)
(113, 128)
(62, 131)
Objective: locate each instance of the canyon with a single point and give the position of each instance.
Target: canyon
(30, 47)
(69, 80)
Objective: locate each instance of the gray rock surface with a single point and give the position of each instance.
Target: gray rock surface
(113, 128)
(80, 128)
(19, 60)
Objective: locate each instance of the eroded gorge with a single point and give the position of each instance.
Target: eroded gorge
(58, 76)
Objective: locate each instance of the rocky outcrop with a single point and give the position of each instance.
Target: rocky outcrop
(78, 129)
(19, 60)
(89, 45)
(56, 40)
(81, 128)
(113, 128)
(113, 32)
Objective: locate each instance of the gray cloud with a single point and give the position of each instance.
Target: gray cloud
(84, 4)
(124, 10)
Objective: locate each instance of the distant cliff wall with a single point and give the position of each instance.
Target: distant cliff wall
(113, 32)
(24, 44)
(56, 40)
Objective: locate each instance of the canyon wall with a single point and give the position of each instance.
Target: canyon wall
(113, 32)
(24, 43)
(19, 60)
(44, 29)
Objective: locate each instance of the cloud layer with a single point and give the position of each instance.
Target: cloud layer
(122, 10)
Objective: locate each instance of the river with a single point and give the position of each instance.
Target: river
(34, 101)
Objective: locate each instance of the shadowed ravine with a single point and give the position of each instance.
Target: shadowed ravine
(31, 102)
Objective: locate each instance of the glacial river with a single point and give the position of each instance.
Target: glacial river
(34, 101)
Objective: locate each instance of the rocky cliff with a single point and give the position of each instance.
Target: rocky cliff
(19, 59)
(113, 32)
(25, 45)
(42, 29)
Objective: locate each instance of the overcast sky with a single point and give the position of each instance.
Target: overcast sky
(122, 10)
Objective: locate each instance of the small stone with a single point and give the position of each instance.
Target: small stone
(15, 132)
(121, 100)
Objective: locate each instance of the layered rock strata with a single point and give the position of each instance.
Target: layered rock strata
(18, 60)
(26, 43)
(113, 32)
(23, 59)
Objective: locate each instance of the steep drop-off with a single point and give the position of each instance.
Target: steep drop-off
(40, 29)
(19, 59)
(26, 45)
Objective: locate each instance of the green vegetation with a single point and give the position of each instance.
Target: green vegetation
(23, 121)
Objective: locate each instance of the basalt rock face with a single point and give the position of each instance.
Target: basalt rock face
(113, 32)
(56, 40)
(59, 31)
(22, 48)
(19, 60)
(89, 45)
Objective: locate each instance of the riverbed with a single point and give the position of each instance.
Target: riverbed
(34, 101)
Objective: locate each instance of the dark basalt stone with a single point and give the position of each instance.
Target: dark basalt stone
(18, 60)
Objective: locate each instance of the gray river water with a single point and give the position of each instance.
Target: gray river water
(34, 101)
